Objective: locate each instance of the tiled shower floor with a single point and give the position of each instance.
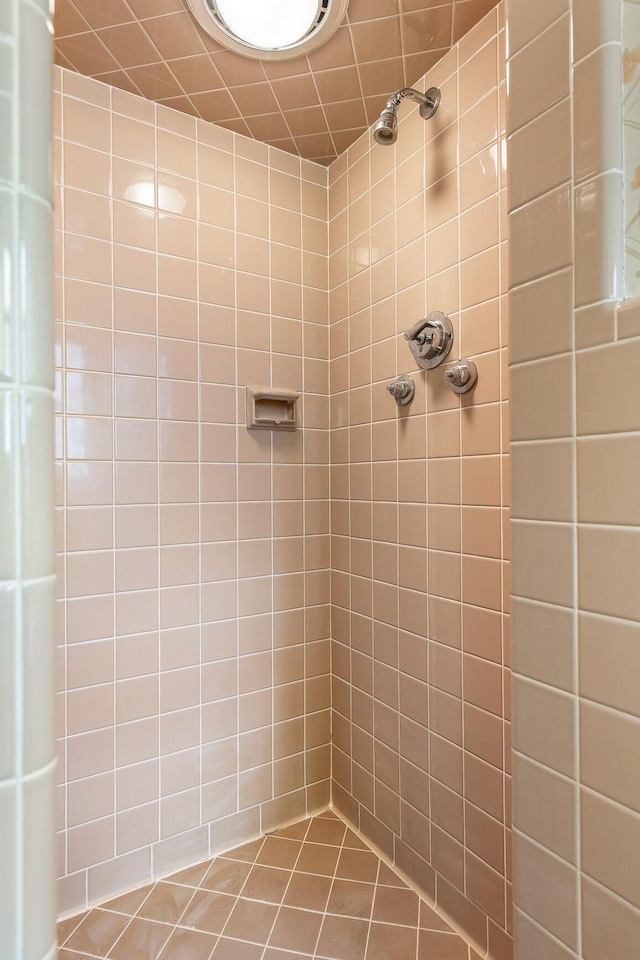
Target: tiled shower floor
(310, 890)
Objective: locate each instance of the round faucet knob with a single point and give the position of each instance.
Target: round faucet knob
(462, 376)
(402, 390)
(458, 374)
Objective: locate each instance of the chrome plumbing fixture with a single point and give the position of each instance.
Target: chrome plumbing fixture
(430, 340)
(462, 376)
(402, 390)
(385, 131)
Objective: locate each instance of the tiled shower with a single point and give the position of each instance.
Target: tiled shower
(255, 627)
(197, 575)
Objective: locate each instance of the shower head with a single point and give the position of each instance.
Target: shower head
(385, 131)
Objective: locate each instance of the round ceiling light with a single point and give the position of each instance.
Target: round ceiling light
(270, 29)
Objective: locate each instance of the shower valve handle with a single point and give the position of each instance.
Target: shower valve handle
(402, 390)
(462, 376)
(431, 339)
(424, 335)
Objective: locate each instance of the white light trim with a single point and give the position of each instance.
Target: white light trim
(270, 29)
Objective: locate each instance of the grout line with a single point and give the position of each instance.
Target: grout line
(199, 506)
(112, 386)
(575, 478)
(236, 357)
(158, 439)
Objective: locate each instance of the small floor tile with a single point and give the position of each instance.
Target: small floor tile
(305, 890)
(166, 903)
(142, 940)
(226, 876)
(266, 883)
(66, 927)
(343, 938)
(351, 898)
(318, 858)
(358, 865)
(326, 831)
(129, 903)
(251, 921)
(296, 930)
(388, 940)
(208, 912)
(97, 933)
(279, 852)
(394, 905)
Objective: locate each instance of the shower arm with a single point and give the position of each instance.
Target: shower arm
(428, 101)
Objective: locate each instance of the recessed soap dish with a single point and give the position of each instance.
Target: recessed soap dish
(271, 409)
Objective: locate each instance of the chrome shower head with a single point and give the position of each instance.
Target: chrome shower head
(385, 131)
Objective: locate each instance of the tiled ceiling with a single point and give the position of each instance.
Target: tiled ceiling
(315, 105)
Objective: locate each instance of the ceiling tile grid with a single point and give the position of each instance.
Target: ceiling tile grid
(314, 105)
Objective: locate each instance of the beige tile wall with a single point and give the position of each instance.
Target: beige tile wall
(575, 419)
(27, 581)
(193, 617)
(420, 496)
